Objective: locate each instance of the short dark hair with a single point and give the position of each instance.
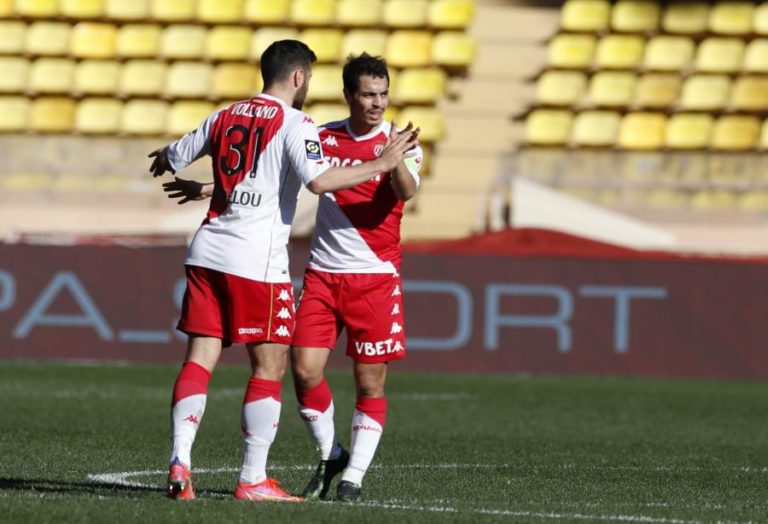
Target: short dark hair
(362, 65)
(283, 57)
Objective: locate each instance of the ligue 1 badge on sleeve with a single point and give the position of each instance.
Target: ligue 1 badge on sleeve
(312, 148)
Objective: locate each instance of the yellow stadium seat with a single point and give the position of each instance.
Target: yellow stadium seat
(98, 77)
(612, 89)
(143, 78)
(235, 81)
(749, 93)
(405, 13)
(754, 201)
(358, 12)
(325, 113)
(138, 41)
(453, 49)
(763, 135)
(188, 80)
(713, 199)
(98, 115)
(187, 116)
(585, 15)
(372, 41)
(571, 51)
(595, 129)
(451, 14)
(619, 52)
(12, 35)
(669, 53)
(82, 8)
(262, 38)
(548, 127)
(418, 86)
(686, 17)
(635, 16)
(131, 10)
(736, 133)
(720, 55)
(756, 56)
(705, 92)
(326, 83)
(220, 11)
(761, 19)
(731, 18)
(183, 41)
(14, 111)
(407, 48)
(313, 12)
(52, 115)
(14, 71)
(48, 38)
(51, 75)
(657, 90)
(144, 117)
(173, 10)
(92, 40)
(267, 11)
(6, 8)
(429, 119)
(37, 8)
(642, 131)
(228, 43)
(689, 131)
(560, 88)
(326, 43)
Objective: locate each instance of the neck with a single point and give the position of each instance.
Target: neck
(280, 92)
(361, 128)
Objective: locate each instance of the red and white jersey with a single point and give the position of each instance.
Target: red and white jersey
(358, 229)
(262, 150)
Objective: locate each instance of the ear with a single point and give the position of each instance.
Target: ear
(298, 78)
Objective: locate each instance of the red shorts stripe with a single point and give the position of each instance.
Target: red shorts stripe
(369, 306)
(235, 309)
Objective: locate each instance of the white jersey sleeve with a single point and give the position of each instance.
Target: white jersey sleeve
(193, 145)
(302, 142)
(413, 161)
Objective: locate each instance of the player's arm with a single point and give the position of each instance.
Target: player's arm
(188, 190)
(179, 154)
(303, 144)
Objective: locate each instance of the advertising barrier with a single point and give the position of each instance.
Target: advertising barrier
(647, 316)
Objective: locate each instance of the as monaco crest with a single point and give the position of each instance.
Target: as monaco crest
(378, 149)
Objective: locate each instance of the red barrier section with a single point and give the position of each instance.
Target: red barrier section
(653, 316)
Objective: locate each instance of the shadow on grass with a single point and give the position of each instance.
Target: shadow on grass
(72, 487)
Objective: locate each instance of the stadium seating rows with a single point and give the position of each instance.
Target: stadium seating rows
(438, 14)
(105, 115)
(646, 130)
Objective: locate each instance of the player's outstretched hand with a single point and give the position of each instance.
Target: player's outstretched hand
(185, 190)
(398, 145)
(160, 164)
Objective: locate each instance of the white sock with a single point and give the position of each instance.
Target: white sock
(321, 429)
(366, 433)
(186, 415)
(260, 420)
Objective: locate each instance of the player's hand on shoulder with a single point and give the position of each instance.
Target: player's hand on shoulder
(187, 190)
(160, 162)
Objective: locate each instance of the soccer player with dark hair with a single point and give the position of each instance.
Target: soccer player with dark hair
(353, 282)
(238, 286)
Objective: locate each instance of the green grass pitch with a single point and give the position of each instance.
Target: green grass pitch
(84, 443)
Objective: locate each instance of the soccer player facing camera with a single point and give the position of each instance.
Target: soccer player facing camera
(238, 286)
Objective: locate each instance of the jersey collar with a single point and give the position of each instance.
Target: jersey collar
(381, 128)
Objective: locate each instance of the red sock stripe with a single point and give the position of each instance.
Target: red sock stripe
(192, 380)
(259, 388)
(317, 398)
(376, 408)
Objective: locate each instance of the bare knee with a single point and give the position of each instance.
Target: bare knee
(370, 379)
(268, 361)
(307, 365)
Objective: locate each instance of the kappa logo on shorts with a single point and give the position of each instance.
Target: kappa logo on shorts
(313, 150)
(396, 328)
(250, 331)
(396, 292)
(284, 313)
(396, 309)
(282, 331)
(284, 295)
